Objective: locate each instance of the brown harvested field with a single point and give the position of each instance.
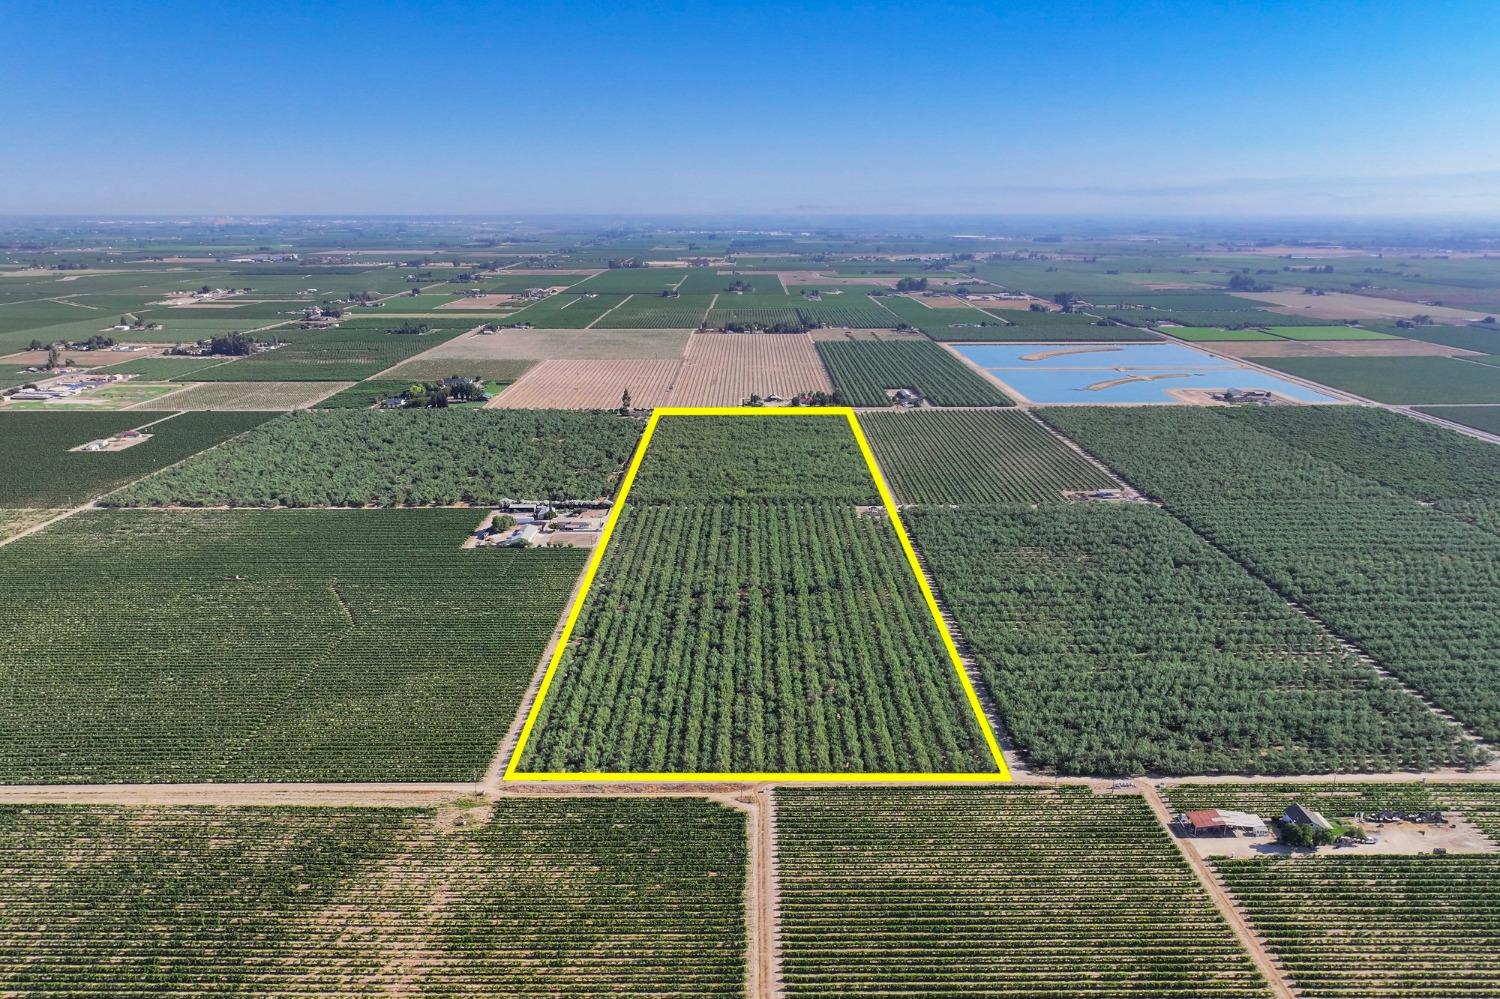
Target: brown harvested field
(575, 384)
(824, 333)
(1336, 348)
(1345, 305)
(82, 358)
(945, 302)
(724, 369)
(426, 368)
(261, 396)
(554, 345)
(1016, 304)
(481, 302)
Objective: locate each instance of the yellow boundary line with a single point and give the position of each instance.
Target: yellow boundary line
(512, 773)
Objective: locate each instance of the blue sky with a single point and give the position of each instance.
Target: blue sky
(1336, 107)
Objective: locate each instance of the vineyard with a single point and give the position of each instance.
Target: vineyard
(646, 312)
(1117, 642)
(867, 373)
(1422, 927)
(755, 637)
(42, 470)
(717, 459)
(565, 311)
(590, 896)
(267, 645)
(1052, 893)
(342, 457)
(1414, 587)
(976, 456)
(247, 396)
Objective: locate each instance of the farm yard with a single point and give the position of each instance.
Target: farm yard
(306, 694)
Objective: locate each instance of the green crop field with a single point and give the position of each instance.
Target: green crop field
(1116, 641)
(586, 896)
(166, 368)
(1484, 337)
(974, 456)
(866, 371)
(563, 311)
(42, 471)
(716, 459)
(652, 312)
(970, 892)
(631, 280)
(267, 645)
(755, 637)
(1399, 380)
(346, 457)
(342, 354)
(1486, 418)
(1414, 587)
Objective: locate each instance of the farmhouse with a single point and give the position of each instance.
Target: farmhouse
(1221, 822)
(1297, 815)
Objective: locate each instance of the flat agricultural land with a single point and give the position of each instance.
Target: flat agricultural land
(1199, 334)
(42, 470)
(267, 396)
(267, 645)
(119, 395)
(456, 900)
(725, 369)
(1346, 305)
(1486, 418)
(998, 892)
(577, 384)
(744, 622)
(868, 373)
(976, 456)
(1400, 380)
(1276, 347)
(407, 457)
(1339, 332)
(566, 344)
(496, 372)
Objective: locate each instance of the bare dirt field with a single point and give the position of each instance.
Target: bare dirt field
(1344, 305)
(549, 345)
(82, 358)
(1336, 348)
(586, 384)
(1014, 304)
(247, 396)
(724, 369)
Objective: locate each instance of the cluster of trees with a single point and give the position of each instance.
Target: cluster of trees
(341, 457)
(441, 393)
(409, 329)
(1413, 586)
(755, 637)
(1116, 641)
(912, 284)
(1243, 281)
